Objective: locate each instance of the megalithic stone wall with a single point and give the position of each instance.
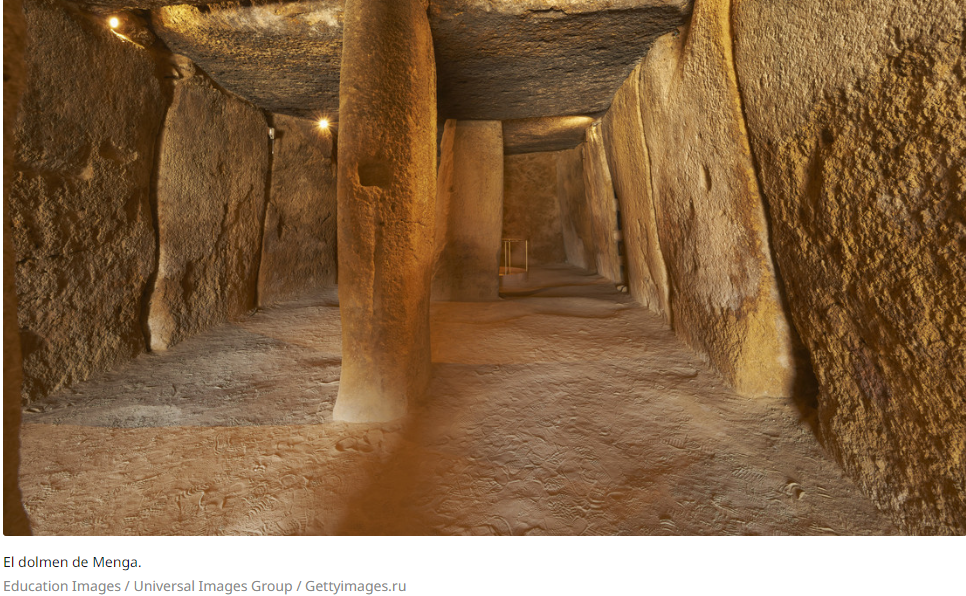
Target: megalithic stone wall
(710, 215)
(211, 191)
(84, 153)
(861, 143)
(630, 167)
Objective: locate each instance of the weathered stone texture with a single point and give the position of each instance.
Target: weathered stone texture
(629, 162)
(498, 60)
(15, 521)
(81, 217)
(861, 141)
(710, 215)
(507, 59)
(283, 57)
(469, 212)
(299, 241)
(533, 135)
(602, 207)
(213, 164)
(386, 196)
(575, 222)
(531, 209)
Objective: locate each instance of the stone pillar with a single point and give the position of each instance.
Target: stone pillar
(469, 212)
(386, 198)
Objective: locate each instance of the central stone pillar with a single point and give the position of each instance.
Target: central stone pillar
(469, 212)
(386, 196)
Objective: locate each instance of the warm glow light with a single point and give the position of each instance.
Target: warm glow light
(114, 22)
(324, 123)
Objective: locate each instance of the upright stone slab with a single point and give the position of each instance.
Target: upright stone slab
(710, 214)
(623, 133)
(84, 152)
(469, 207)
(299, 241)
(211, 201)
(602, 206)
(14, 40)
(386, 194)
(862, 147)
(531, 209)
(575, 220)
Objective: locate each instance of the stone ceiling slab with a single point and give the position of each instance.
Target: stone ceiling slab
(504, 59)
(495, 59)
(283, 57)
(533, 135)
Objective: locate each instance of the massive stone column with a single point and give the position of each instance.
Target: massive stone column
(386, 197)
(469, 212)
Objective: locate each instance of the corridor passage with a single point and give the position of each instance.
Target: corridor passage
(564, 408)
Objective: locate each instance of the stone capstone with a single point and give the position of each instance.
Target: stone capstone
(299, 240)
(283, 57)
(211, 188)
(497, 60)
(533, 135)
(502, 60)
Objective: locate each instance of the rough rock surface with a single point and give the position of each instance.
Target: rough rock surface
(507, 59)
(602, 207)
(575, 221)
(283, 57)
(711, 220)
(533, 135)
(630, 167)
(862, 149)
(212, 175)
(386, 197)
(562, 409)
(469, 212)
(14, 80)
(81, 217)
(299, 240)
(531, 209)
(498, 60)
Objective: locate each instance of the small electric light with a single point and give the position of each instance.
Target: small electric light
(324, 123)
(114, 22)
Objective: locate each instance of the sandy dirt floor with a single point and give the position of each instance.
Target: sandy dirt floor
(562, 409)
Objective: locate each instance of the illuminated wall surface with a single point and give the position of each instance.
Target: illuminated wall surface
(419, 267)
